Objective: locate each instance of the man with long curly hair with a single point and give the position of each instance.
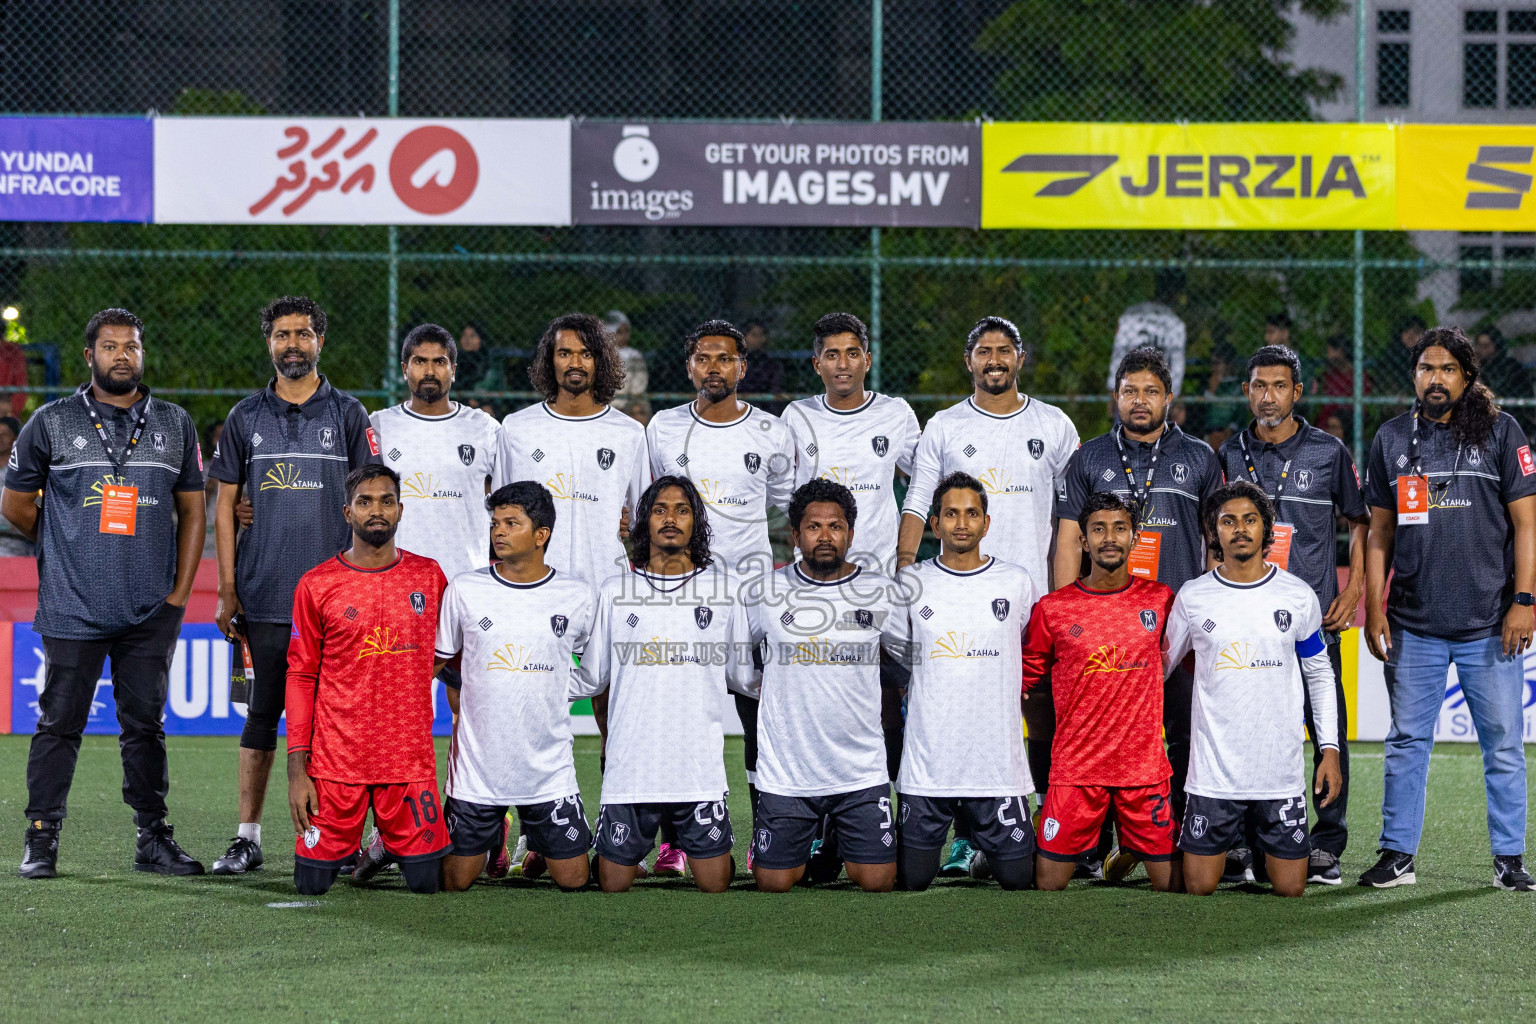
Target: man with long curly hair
(1452, 489)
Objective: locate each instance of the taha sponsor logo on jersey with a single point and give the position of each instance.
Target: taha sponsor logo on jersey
(820, 651)
(997, 481)
(94, 498)
(385, 640)
(423, 487)
(1109, 658)
(285, 476)
(1240, 656)
(957, 644)
(516, 658)
(713, 493)
(563, 486)
(848, 478)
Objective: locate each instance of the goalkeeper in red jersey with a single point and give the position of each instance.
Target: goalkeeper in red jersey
(360, 699)
(1100, 638)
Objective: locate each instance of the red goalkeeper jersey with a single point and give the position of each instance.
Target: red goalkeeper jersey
(360, 670)
(1103, 650)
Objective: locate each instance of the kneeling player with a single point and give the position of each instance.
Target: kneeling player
(1254, 629)
(1100, 638)
(658, 649)
(360, 698)
(963, 758)
(821, 748)
(515, 625)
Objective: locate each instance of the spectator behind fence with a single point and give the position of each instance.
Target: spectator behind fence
(765, 374)
(1397, 364)
(633, 396)
(478, 368)
(1277, 329)
(1503, 374)
(1156, 324)
(1337, 380)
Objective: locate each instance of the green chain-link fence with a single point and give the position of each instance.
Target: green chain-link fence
(199, 287)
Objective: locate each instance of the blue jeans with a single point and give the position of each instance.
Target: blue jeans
(1494, 686)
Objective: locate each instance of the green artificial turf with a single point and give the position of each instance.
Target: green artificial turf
(102, 943)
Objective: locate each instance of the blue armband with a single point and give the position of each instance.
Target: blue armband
(1311, 645)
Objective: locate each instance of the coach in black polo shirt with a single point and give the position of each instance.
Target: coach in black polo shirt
(118, 540)
(289, 447)
(1310, 476)
(1452, 489)
(1163, 474)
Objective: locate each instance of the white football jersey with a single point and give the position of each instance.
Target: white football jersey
(1019, 459)
(818, 727)
(1150, 324)
(740, 468)
(444, 463)
(595, 466)
(861, 449)
(659, 648)
(1250, 641)
(965, 729)
(512, 742)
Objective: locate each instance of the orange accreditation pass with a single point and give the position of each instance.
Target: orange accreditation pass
(119, 509)
(1280, 550)
(1412, 500)
(1144, 555)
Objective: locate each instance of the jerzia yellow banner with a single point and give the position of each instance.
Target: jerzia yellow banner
(1287, 176)
(1465, 178)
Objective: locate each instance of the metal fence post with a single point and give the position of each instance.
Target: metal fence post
(392, 313)
(1357, 400)
(876, 70)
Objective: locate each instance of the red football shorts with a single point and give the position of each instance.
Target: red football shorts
(1073, 815)
(409, 816)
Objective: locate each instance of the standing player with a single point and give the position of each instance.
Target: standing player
(1018, 448)
(656, 648)
(741, 459)
(515, 625)
(360, 698)
(964, 751)
(821, 622)
(1101, 640)
(445, 454)
(1256, 631)
(288, 449)
(858, 438)
(1163, 474)
(1310, 476)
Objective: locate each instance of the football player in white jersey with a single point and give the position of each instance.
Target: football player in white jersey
(741, 459)
(657, 648)
(819, 625)
(445, 454)
(1256, 633)
(964, 752)
(514, 626)
(1016, 446)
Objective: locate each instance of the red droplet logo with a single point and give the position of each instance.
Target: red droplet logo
(434, 170)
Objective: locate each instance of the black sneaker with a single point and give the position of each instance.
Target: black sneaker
(371, 859)
(1239, 866)
(1392, 869)
(158, 852)
(1090, 867)
(1510, 875)
(42, 845)
(243, 855)
(1323, 868)
(981, 869)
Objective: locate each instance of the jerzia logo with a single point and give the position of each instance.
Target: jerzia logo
(1079, 168)
(1196, 175)
(1512, 185)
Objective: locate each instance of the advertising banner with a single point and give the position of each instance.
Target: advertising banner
(1465, 178)
(265, 170)
(76, 169)
(1373, 713)
(1245, 176)
(822, 175)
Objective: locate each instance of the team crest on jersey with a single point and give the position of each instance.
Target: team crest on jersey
(158, 440)
(1474, 456)
(1000, 608)
(1049, 828)
(327, 438)
(620, 832)
(605, 458)
(558, 624)
(764, 840)
(1149, 619)
(1198, 824)
(753, 460)
(1283, 619)
(311, 837)
(1303, 479)
(418, 602)
(1036, 447)
(467, 454)
(881, 445)
(864, 618)
(1180, 473)
(703, 615)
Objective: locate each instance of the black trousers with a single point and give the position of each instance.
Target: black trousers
(141, 670)
(269, 690)
(1329, 830)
